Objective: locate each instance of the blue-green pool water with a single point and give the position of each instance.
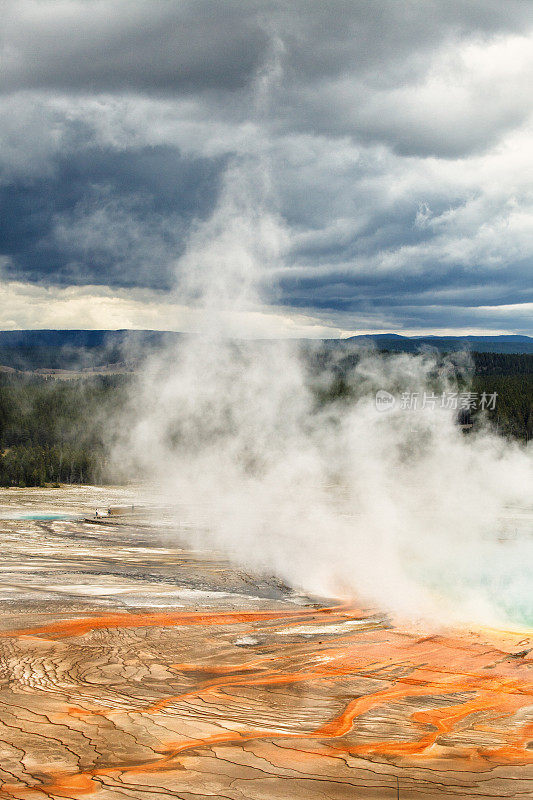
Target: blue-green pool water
(41, 517)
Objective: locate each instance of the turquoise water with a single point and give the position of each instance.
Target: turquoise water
(492, 576)
(41, 517)
(504, 577)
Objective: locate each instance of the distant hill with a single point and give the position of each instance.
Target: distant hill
(507, 343)
(75, 350)
(81, 349)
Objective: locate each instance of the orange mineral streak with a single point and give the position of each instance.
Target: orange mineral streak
(79, 627)
(68, 786)
(454, 677)
(513, 750)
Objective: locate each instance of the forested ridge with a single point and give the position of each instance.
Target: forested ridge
(61, 431)
(54, 431)
(509, 375)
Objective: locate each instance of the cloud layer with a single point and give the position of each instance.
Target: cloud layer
(398, 138)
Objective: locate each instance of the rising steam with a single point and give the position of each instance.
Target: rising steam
(398, 508)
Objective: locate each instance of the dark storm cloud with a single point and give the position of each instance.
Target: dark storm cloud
(108, 45)
(462, 317)
(116, 45)
(398, 133)
(344, 291)
(105, 217)
(358, 68)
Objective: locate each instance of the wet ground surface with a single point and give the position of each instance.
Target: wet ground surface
(134, 666)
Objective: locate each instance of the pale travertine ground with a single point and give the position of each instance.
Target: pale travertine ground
(134, 665)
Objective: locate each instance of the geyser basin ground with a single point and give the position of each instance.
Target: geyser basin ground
(132, 667)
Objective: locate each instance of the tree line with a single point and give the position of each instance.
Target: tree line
(510, 375)
(54, 431)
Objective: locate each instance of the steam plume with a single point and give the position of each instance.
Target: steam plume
(396, 508)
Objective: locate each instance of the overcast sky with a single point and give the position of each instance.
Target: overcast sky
(399, 135)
